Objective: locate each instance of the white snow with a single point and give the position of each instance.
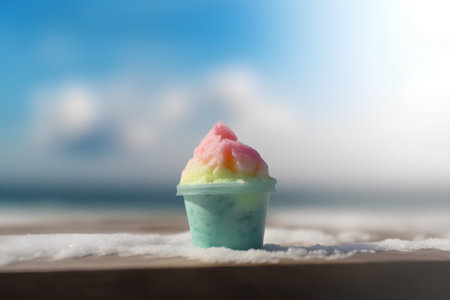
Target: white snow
(304, 245)
(62, 246)
(299, 235)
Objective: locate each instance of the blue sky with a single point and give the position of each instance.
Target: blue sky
(293, 42)
(47, 42)
(345, 76)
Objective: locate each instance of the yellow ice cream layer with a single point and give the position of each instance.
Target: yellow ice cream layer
(201, 174)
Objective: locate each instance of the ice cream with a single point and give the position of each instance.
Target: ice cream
(226, 188)
(220, 157)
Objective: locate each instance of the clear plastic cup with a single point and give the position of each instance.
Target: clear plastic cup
(230, 215)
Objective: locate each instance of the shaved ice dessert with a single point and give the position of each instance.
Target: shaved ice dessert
(226, 187)
(220, 157)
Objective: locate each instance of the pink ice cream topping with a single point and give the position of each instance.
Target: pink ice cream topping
(220, 149)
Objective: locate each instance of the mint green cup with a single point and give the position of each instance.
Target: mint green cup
(230, 215)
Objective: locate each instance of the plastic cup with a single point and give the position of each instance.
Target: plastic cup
(230, 215)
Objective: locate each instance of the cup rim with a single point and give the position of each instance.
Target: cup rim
(254, 186)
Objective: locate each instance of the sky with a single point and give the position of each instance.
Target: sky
(331, 93)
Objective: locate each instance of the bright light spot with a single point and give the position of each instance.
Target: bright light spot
(429, 18)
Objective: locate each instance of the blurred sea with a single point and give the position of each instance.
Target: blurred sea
(163, 199)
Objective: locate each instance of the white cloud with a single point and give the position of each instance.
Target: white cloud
(151, 131)
(156, 127)
(66, 112)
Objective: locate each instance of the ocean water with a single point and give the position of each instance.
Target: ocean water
(163, 198)
(129, 199)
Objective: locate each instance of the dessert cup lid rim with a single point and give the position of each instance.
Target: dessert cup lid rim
(226, 188)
